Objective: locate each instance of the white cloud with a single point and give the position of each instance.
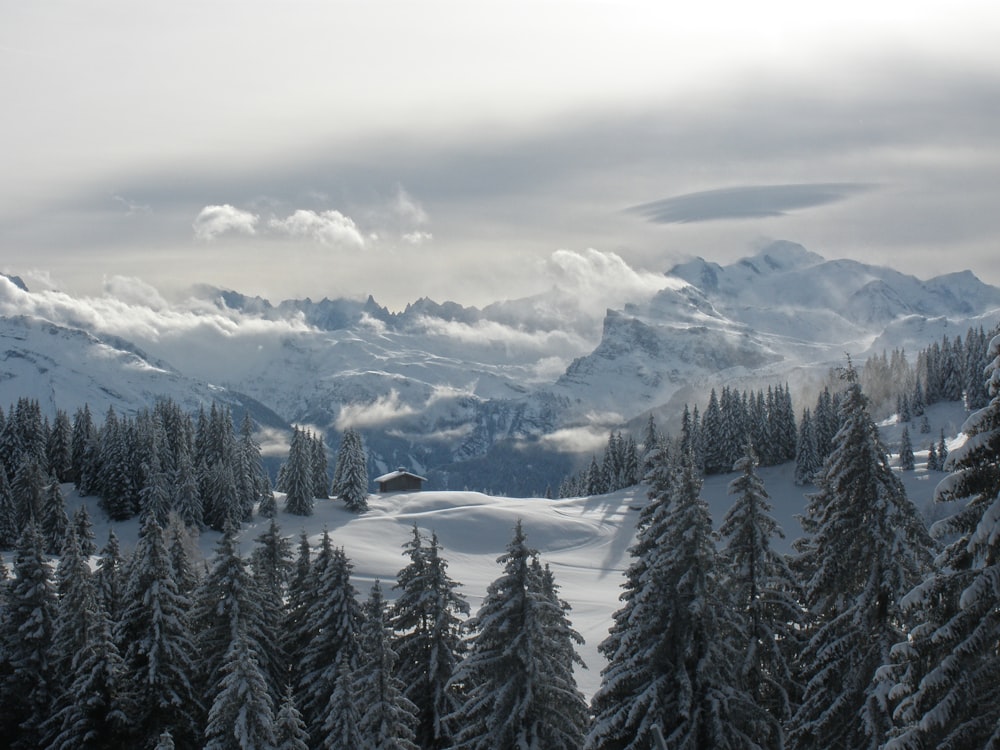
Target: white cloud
(133, 291)
(603, 277)
(215, 220)
(576, 439)
(408, 209)
(383, 409)
(417, 237)
(328, 227)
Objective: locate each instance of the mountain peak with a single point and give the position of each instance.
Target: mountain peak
(783, 255)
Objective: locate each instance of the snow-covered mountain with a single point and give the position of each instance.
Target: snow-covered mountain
(458, 392)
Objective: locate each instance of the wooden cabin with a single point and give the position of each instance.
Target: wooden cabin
(400, 480)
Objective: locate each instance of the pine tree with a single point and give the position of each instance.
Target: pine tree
(906, 460)
(270, 565)
(670, 662)
(321, 482)
(290, 730)
(300, 596)
(942, 453)
(55, 522)
(154, 495)
(28, 489)
(84, 531)
(253, 485)
(570, 713)
(712, 425)
(387, 717)
(807, 460)
(28, 686)
(60, 448)
(650, 440)
(765, 595)
(182, 550)
(94, 717)
(9, 522)
(510, 676)
(76, 603)
(157, 646)
(242, 713)
(332, 621)
(82, 445)
(340, 721)
(944, 675)
(933, 464)
(109, 578)
(298, 477)
(426, 618)
(226, 608)
(186, 498)
(352, 470)
(860, 512)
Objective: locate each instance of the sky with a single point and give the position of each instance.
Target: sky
(455, 149)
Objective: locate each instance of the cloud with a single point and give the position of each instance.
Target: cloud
(381, 410)
(215, 220)
(746, 202)
(417, 237)
(327, 227)
(597, 280)
(575, 439)
(132, 291)
(408, 209)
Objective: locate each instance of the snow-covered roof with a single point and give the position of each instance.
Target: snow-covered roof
(399, 473)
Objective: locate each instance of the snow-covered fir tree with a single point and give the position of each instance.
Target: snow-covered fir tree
(157, 647)
(321, 480)
(54, 522)
(944, 675)
(932, 459)
(556, 669)
(270, 565)
(9, 523)
(807, 459)
(252, 483)
(84, 530)
(226, 608)
(92, 715)
(387, 718)
(331, 624)
(766, 601)
(28, 489)
(351, 478)
(906, 459)
(514, 697)
(859, 513)
(671, 660)
(242, 712)
(289, 728)
(109, 577)
(340, 728)
(427, 617)
(28, 688)
(297, 476)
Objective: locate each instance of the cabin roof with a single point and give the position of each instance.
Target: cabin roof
(399, 473)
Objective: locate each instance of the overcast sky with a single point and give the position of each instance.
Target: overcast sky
(449, 149)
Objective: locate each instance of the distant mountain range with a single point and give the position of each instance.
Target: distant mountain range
(502, 398)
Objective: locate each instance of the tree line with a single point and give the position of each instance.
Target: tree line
(161, 461)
